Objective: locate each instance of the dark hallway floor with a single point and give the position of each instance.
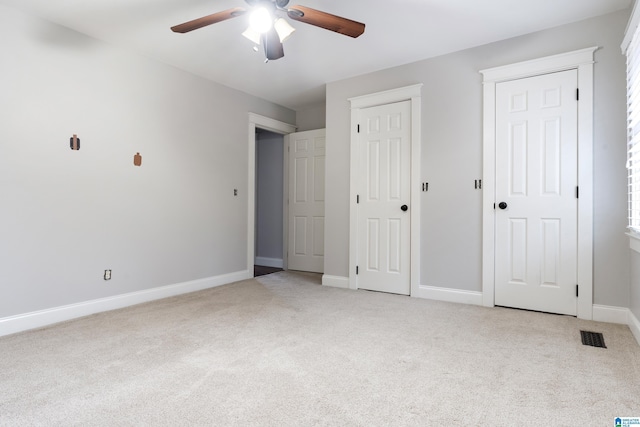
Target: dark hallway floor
(260, 270)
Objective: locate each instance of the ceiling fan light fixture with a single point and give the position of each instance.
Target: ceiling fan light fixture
(266, 28)
(252, 35)
(261, 20)
(283, 28)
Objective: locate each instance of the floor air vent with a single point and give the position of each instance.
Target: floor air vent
(594, 339)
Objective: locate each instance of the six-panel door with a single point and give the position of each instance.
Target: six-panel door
(306, 201)
(536, 193)
(384, 234)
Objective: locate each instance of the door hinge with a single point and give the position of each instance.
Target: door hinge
(577, 94)
(494, 206)
(357, 269)
(577, 192)
(576, 291)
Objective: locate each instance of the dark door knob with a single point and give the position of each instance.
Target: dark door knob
(404, 208)
(502, 205)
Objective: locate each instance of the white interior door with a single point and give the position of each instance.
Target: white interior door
(384, 199)
(536, 193)
(306, 200)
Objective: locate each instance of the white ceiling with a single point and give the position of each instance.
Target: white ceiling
(397, 32)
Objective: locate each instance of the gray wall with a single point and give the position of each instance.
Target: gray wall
(452, 154)
(66, 216)
(269, 194)
(311, 117)
(634, 296)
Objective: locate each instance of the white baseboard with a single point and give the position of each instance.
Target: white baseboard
(634, 325)
(335, 281)
(449, 295)
(38, 319)
(610, 314)
(269, 262)
(621, 315)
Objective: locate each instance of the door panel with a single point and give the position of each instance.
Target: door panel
(306, 200)
(300, 182)
(300, 235)
(384, 234)
(536, 176)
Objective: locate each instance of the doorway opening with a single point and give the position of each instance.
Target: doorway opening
(269, 201)
(259, 124)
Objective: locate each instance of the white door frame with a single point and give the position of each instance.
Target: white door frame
(581, 60)
(257, 121)
(408, 93)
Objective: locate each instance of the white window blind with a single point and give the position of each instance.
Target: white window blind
(632, 50)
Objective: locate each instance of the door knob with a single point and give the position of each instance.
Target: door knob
(404, 208)
(502, 205)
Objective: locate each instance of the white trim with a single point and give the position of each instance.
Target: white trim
(257, 121)
(634, 241)
(619, 315)
(413, 94)
(285, 203)
(335, 281)
(583, 61)
(353, 208)
(38, 319)
(585, 183)
(386, 97)
(269, 262)
(610, 314)
(634, 325)
(270, 124)
(634, 21)
(545, 65)
(449, 295)
(488, 193)
(416, 178)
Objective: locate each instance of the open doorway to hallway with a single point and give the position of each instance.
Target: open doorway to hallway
(269, 240)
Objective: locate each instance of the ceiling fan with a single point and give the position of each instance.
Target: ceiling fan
(269, 29)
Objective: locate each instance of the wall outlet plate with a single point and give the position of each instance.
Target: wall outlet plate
(107, 275)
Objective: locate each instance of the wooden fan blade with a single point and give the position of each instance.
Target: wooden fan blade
(326, 20)
(272, 46)
(208, 20)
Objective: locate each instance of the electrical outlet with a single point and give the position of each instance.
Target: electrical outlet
(107, 275)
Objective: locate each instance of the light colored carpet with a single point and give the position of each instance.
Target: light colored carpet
(282, 350)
